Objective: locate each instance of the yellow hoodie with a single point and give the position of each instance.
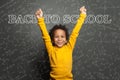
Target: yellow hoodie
(61, 58)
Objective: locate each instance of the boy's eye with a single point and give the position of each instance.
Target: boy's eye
(60, 36)
(56, 36)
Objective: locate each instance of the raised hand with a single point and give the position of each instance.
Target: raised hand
(39, 13)
(83, 9)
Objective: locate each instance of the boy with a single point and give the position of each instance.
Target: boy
(59, 47)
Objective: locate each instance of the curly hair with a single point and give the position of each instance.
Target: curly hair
(62, 27)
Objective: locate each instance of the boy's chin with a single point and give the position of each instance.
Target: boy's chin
(60, 46)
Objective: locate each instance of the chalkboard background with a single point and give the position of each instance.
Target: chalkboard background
(22, 52)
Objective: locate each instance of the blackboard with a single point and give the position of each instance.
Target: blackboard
(22, 52)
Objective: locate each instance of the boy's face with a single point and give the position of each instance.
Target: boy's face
(59, 38)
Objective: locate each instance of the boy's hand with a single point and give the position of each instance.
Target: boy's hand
(83, 10)
(39, 13)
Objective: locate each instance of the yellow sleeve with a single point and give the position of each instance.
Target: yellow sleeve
(45, 34)
(76, 30)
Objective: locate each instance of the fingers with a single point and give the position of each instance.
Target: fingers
(39, 13)
(83, 9)
(83, 6)
(40, 10)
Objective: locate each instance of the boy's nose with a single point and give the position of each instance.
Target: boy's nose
(59, 38)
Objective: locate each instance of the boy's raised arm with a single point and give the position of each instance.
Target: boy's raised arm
(45, 34)
(76, 29)
(80, 20)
